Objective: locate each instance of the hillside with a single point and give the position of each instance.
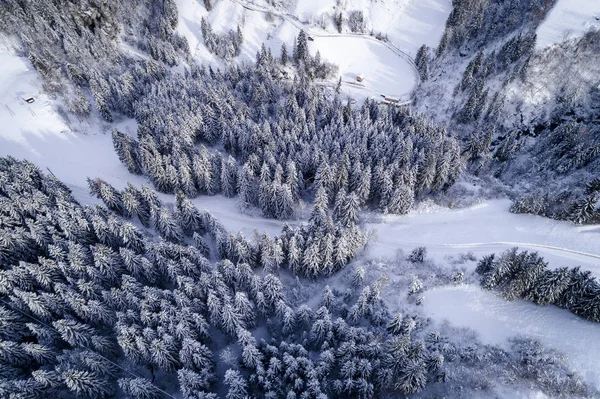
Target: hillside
(386, 63)
(199, 199)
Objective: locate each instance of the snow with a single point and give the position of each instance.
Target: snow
(407, 23)
(191, 13)
(307, 9)
(411, 23)
(18, 83)
(568, 19)
(487, 228)
(496, 320)
(384, 71)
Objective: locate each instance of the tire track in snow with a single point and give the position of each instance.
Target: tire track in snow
(521, 244)
(566, 252)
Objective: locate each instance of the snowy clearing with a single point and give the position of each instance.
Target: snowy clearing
(190, 15)
(487, 228)
(384, 71)
(22, 122)
(496, 320)
(568, 19)
(411, 23)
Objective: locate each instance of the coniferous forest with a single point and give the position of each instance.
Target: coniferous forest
(137, 293)
(138, 299)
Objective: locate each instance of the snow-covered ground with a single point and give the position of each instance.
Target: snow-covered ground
(384, 71)
(487, 228)
(568, 19)
(411, 23)
(497, 320)
(407, 23)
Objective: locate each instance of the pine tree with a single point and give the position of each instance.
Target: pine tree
(413, 377)
(85, 383)
(188, 215)
(401, 201)
(202, 171)
(164, 354)
(422, 62)
(139, 388)
(311, 260)
(272, 290)
(231, 320)
(186, 178)
(585, 210)
(229, 177)
(338, 21)
(193, 383)
(395, 325)
(244, 307)
(328, 298)
(350, 209)
(127, 150)
(247, 188)
(284, 54)
(443, 43)
(530, 269)
(167, 225)
(550, 286)
(237, 385)
(195, 356)
(76, 334)
(110, 196)
(302, 53)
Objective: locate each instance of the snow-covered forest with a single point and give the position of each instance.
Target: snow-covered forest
(239, 211)
(527, 116)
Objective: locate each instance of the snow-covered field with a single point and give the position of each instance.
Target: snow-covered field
(411, 23)
(568, 19)
(408, 24)
(487, 228)
(384, 71)
(497, 320)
